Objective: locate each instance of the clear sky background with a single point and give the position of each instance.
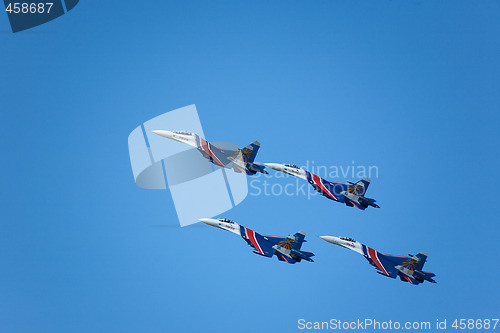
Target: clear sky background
(409, 86)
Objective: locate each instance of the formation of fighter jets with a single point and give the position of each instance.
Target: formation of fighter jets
(288, 249)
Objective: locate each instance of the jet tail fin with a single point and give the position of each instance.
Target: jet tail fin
(249, 152)
(299, 239)
(421, 259)
(360, 187)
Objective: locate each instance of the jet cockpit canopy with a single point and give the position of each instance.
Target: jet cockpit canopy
(226, 220)
(291, 166)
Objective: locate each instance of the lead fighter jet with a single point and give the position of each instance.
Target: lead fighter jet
(285, 248)
(349, 193)
(240, 160)
(409, 269)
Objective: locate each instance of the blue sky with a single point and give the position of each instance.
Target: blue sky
(411, 87)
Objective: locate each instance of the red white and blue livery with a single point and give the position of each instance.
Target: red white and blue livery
(409, 269)
(351, 194)
(286, 249)
(240, 160)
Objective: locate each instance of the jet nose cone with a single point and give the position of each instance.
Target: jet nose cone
(165, 134)
(274, 166)
(329, 239)
(211, 222)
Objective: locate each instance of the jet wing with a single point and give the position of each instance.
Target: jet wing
(397, 260)
(258, 242)
(351, 203)
(408, 279)
(383, 264)
(273, 239)
(283, 258)
(321, 185)
(238, 165)
(290, 242)
(411, 263)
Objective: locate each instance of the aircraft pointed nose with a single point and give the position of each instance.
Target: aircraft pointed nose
(329, 239)
(275, 166)
(165, 134)
(212, 222)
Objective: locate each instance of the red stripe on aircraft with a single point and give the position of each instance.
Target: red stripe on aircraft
(283, 257)
(318, 181)
(353, 203)
(253, 239)
(214, 157)
(206, 148)
(407, 279)
(373, 255)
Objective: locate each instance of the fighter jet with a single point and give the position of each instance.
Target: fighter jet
(349, 193)
(409, 269)
(241, 160)
(285, 248)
